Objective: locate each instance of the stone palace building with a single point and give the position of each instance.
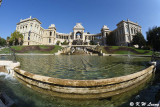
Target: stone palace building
(34, 34)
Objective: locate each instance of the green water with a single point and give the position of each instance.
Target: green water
(82, 67)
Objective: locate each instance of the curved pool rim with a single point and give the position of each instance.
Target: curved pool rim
(85, 88)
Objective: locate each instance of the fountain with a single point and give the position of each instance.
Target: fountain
(82, 77)
(88, 76)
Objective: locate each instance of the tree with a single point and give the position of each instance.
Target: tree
(16, 38)
(153, 38)
(139, 40)
(2, 42)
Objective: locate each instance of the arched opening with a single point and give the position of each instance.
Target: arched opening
(79, 35)
(50, 33)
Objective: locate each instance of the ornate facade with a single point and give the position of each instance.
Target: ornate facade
(34, 34)
(125, 31)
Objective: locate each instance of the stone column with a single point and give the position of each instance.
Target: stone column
(104, 38)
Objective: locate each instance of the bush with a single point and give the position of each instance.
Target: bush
(58, 42)
(65, 43)
(93, 43)
(146, 48)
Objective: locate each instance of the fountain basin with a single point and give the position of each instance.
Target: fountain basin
(90, 88)
(85, 88)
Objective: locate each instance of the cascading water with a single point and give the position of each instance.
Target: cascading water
(7, 76)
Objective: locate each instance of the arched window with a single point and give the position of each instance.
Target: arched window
(78, 35)
(132, 30)
(50, 33)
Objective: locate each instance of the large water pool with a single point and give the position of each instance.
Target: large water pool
(82, 67)
(105, 66)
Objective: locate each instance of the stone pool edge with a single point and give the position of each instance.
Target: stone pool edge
(68, 88)
(83, 87)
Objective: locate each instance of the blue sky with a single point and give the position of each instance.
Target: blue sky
(93, 14)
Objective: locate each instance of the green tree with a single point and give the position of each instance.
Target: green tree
(153, 38)
(16, 38)
(2, 42)
(139, 40)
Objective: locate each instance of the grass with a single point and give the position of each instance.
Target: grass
(124, 52)
(115, 51)
(5, 51)
(17, 47)
(115, 47)
(43, 46)
(20, 48)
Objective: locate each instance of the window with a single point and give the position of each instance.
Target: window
(132, 30)
(29, 35)
(122, 30)
(127, 29)
(49, 40)
(50, 33)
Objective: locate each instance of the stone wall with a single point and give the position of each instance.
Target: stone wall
(84, 88)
